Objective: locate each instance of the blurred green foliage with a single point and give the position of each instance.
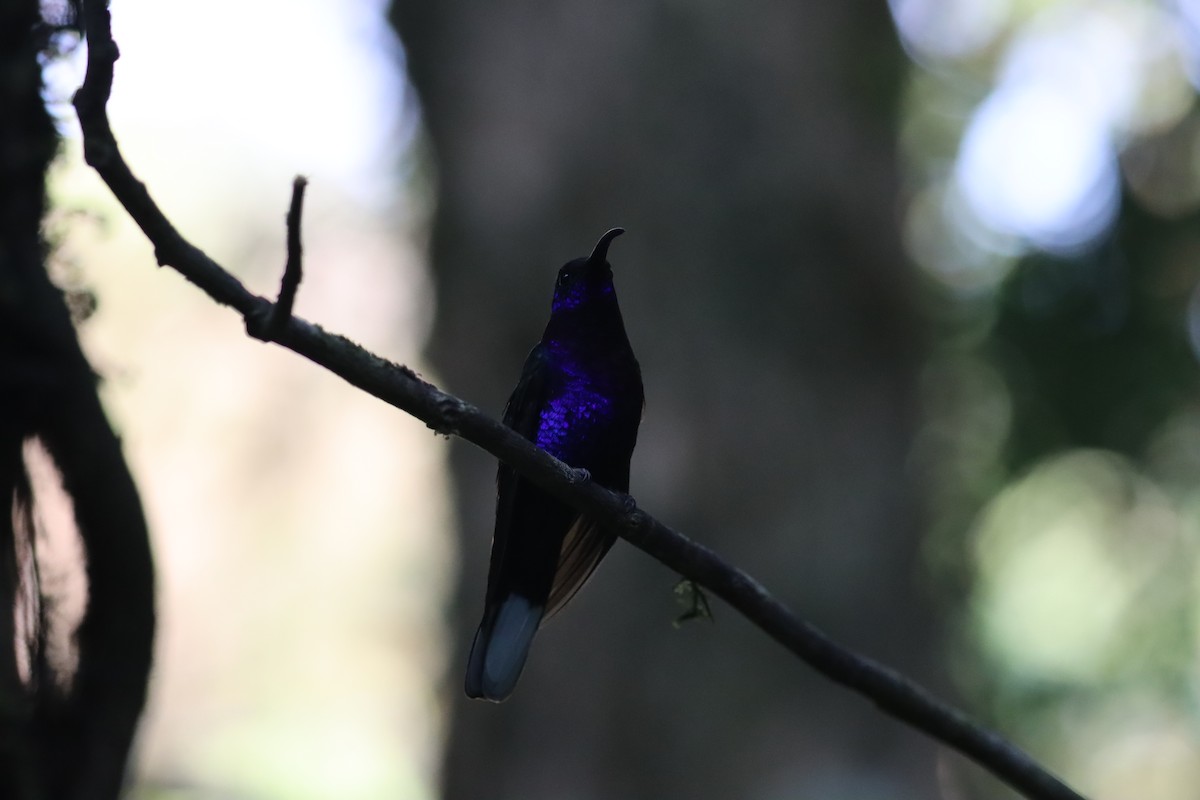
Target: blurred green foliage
(1061, 442)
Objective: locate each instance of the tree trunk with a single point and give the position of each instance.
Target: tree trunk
(751, 156)
(56, 742)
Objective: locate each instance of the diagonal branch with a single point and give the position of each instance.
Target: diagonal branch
(401, 387)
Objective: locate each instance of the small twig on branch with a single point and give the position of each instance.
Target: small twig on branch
(444, 413)
(281, 311)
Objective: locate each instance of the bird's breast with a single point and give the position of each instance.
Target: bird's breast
(574, 417)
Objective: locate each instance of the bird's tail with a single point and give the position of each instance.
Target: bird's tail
(500, 647)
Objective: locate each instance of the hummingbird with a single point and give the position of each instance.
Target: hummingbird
(580, 398)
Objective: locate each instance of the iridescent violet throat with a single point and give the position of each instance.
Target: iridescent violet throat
(580, 398)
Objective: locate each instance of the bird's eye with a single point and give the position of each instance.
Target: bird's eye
(564, 278)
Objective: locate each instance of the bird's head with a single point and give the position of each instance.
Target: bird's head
(586, 282)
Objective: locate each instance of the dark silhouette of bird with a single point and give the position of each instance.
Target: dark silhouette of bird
(580, 398)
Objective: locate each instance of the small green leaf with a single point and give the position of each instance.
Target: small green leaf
(695, 603)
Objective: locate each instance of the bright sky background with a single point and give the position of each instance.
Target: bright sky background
(301, 529)
(309, 86)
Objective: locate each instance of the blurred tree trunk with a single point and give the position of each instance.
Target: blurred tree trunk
(750, 153)
(62, 736)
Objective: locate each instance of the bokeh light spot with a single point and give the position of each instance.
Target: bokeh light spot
(1037, 165)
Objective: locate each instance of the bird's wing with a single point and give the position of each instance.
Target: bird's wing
(523, 411)
(522, 414)
(583, 547)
